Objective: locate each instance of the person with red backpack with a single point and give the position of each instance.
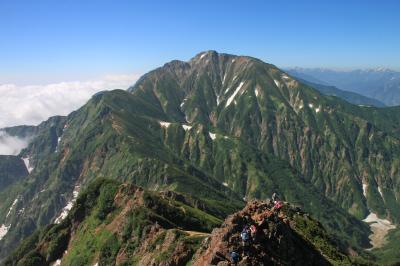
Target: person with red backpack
(253, 232)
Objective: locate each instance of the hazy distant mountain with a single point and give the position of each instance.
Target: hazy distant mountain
(351, 97)
(381, 83)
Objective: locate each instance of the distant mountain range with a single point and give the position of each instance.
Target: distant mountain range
(381, 84)
(186, 146)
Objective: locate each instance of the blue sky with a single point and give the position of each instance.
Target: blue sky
(49, 41)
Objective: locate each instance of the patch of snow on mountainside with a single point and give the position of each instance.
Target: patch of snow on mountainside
(164, 124)
(256, 92)
(379, 228)
(380, 191)
(69, 206)
(225, 184)
(277, 83)
(317, 109)
(223, 81)
(4, 230)
(57, 262)
(203, 55)
(183, 102)
(186, 127)
(230, 99)
(12, 207)
(310, 105)
(27, 164)
(218, 100)
(58, 143)
(364, 187)
(227, 89)
(212, 136)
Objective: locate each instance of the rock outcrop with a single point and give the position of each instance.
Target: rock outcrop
(284, 236)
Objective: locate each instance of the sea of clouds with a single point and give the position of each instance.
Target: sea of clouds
(32, 104)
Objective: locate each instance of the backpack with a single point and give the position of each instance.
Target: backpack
(245, 236)
(234, 256)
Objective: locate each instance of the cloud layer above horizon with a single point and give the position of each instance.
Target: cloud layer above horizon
(32, 104)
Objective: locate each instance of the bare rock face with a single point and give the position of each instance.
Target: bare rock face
(277, 241)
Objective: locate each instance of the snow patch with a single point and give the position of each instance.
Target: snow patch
(212, 135)
(234, 77)
(380, 191)
(233, 60)
(380, 228)
(69, 206)
(225, 184)
(164, 124)
(183, 102)
(58, 143)
(12, 207)
(256, 91)
(230, 99)
(310, 105)
(27, 164)
(364, 187)
(186, 127)
(218, 101)
(203, 55)
(223, 80)
(284, 76)
(277, 83)
(4, 230)
(317, 109)
(57, 262)
(227, 89)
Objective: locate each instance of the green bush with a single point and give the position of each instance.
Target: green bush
(109, 251)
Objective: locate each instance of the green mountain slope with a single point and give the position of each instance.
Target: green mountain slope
(218, 128)
(335, 145)
(12, 169)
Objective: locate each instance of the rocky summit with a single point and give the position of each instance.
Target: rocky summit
(283, 236)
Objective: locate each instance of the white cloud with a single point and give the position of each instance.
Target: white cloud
(32, 104)
(10, 145)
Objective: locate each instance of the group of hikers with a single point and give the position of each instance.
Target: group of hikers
(249, 234)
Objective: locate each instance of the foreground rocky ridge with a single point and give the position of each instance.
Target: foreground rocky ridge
(121, 224)
(284, 236)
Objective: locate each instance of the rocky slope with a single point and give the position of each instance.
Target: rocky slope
(121, 224)
(287, 236)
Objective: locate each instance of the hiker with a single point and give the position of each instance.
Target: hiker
(275, 197)
(245, 235)
(235, 257)
(278, 205)
(253, 232)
